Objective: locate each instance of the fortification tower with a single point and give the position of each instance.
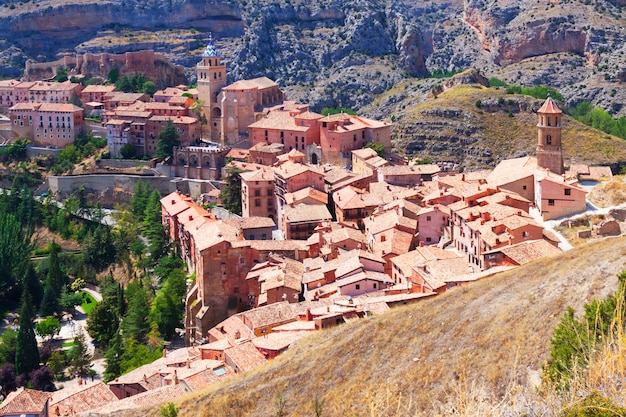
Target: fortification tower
(211, 79)
(549, 150)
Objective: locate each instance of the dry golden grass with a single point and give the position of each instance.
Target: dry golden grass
(477, 349)
(506, 135)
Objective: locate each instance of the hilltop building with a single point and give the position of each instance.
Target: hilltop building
(230, 109)
(542, 179)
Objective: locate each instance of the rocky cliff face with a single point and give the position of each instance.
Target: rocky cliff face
(343, 53)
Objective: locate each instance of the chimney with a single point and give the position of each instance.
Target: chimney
(463, 177)
(173, 201)
(237, 334)
(421, 243)
(190, 217)
(175, 377)
(519, 212)
(164, 353)
(188, 363)
(145, 378)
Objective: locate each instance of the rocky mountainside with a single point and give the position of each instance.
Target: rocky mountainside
(343, 52)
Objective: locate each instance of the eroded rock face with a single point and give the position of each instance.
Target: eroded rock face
(341, 53)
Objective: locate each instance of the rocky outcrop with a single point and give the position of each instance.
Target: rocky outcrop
(154, 66)
(341, 53)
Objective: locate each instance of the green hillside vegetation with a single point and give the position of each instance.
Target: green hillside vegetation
(478, 349)
(498, 125)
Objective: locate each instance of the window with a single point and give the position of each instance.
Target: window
(428, 240)
(568, 191)
(257, 203)
(257, 193)
(428, 218)
(524, 187)
(270, 193)
(549, 139)
(242, 260)
(358, 286)
(525, 234)
(374, 285)
(264, 236)
(550, 202)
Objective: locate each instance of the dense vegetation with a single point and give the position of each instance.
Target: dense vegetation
(599, 118)
(145, 311)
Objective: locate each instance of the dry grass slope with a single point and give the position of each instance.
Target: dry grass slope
(467, 349)
(503, 134)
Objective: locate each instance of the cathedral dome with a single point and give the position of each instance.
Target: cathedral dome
(211, 50)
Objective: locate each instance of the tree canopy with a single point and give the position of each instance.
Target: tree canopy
(167, 139)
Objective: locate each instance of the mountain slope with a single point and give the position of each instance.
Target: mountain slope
(343, 53)
(487, 340)
(477, 127)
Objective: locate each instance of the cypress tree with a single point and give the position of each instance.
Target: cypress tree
(26, 352)
(153, 227)
(55, 274)
(113, 357)
(50, 301)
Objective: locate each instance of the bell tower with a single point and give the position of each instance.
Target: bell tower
(211, 74)
(549, 150)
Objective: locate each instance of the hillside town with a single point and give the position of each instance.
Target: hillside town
(334, 227)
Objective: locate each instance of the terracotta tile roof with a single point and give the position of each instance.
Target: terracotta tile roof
(306, 213)
(420, 255)
(511, 170)
(159, 105)
(119, 96)
(273, 314)
(202, 378)
(99, 89)
(281, 280)
(186, 120)
(8, 83)
(227, 330)
(121, 112)
(362, 276)
(219, 345)
(254, 222)
(237, 153)
(170, 91)
(59, 107)
(291, 169)
(388, 220)
(409, 170)
(245, 356)
(529, 251)
(211, 233)
(71, 401)
(309, 115)
(272, 245)
(397, 243)
(547, 175)
(268, 147)
(306, 194)
(260, 83)
(281, 120)
(550, 107)
(259, 174)
(24, 401)
(25, 106)
(144, 399)
(48, 86)
(295, 326)
(278, 341)
(340, 234)
(175, 203)
(364, 153)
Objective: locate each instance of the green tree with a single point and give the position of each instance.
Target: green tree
(231, 193)
(61, 75)
(113, 76)
(55, 273)
(71, 299)
(124, 84)
(127, 151)
(26, 351)
(148, 87)
(153, 228)
(8, 344)
(167, 139)
(113, 358)
(378, 147)
(75, 100)
(15, 248)
(139, 200)
(135, 324)
(169, 410)
(79, 356)
(167, 308)
(196, 107)
(103, 323)
(50, 301)
(49, 327)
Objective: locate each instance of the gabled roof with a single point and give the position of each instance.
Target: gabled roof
(144, 399)
(24, 401)
(529, 251)
(511, 170)
(255, 83)
(254, 222)
(70, 401)
(304, 213)
(421, 255)
(277, 313)
(245, 356)
(278, 341)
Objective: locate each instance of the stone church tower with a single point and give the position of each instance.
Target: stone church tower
(211, 79)
(549, 150)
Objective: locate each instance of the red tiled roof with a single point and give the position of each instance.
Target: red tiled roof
(24, 401)
(67, 402)
(550, 107)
